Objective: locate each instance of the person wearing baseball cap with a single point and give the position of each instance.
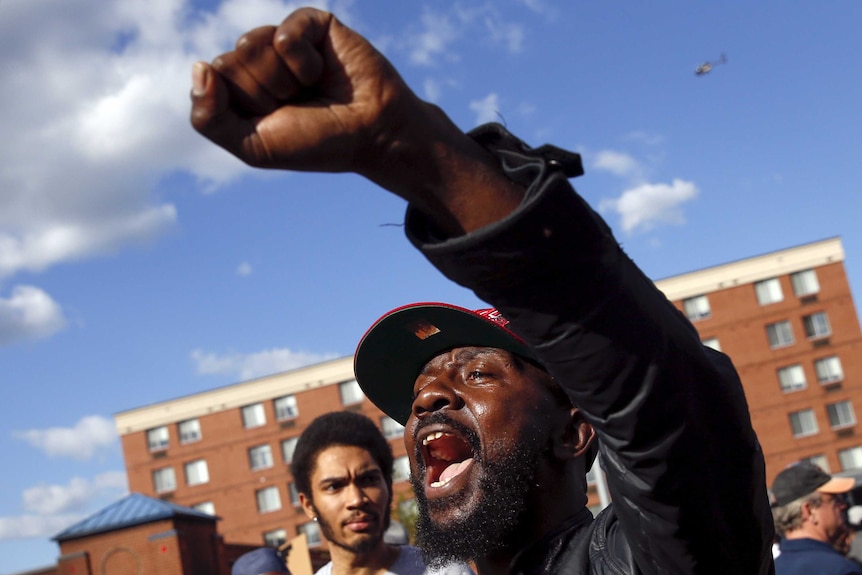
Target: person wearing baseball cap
(502, 419)
(263, 561)
(809, 509)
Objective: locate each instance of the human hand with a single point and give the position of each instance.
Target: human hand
(309, 94)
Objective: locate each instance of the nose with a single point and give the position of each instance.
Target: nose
(357, 496)
(435, 396)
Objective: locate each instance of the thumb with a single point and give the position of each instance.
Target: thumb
(213, 117)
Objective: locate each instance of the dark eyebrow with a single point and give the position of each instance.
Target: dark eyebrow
(464, 354)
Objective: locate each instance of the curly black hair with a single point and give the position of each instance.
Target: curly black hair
(345, 428)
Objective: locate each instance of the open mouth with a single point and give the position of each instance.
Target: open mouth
(446, 456)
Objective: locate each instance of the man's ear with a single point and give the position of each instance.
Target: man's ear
(576, 438)
(307, 506)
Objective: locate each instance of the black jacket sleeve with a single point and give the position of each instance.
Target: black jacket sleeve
(684, 466)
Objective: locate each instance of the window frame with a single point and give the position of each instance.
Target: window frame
(854, 453)
(805, 282)
(292, 411)
(697, 307)
(827, 361)
(841, 414)
(350, 393)
(258, 410)
(768, 291)
(266, 495)
(811, 419)
(157, 479)
(289, 441)
(816, 325)
(260, 457)
(782, 373)
(160, 444)
(199, 469)
(774, 328)
(184, 435)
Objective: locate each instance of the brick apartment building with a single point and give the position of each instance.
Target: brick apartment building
(786, 318)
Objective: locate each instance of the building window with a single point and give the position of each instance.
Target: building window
(158, 438)
(391, 428)
(791, 378)
(164, 480)
(805, 283)
(768, 291)
(829, 370)
(190, 430)
(841, 414)
(820, 461)
(696, 307)
(288, 446)
(712, 342)
(197, 472)
(816, 325)
(312, 533)
(268, 499)
(285, 407)
(401, 469)
(803, 423)
(260, 457)
(350, 392)
(850, 458)
(205, 507)
(293, 492)
(253, 415)
(275, 538)
(780, 334)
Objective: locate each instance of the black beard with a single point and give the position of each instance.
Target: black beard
(363, 546)
(504, 488)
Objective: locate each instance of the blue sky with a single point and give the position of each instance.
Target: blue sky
(138, 263)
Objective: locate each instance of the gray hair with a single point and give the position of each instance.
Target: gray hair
(789, 517)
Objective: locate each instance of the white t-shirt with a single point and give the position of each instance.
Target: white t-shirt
(410, 562)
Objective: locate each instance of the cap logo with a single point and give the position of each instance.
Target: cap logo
(423, 329)
(492, 314)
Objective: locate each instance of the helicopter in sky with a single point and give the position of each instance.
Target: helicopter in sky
(707, 67)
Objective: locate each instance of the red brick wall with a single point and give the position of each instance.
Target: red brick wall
(739, 322)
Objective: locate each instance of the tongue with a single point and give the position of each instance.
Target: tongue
(455, 469)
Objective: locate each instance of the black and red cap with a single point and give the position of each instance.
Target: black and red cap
(394, 350)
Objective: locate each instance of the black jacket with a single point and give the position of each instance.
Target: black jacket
(684, 467)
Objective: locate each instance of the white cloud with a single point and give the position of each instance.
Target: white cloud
(94, 110)
(618, 163)
(75, 496)
(91, 434)
(509, 34)
(649, 204)
(36, 526)
(29, 313)
(487, 109)
(251, 365)
(52, 508)
(437, 34)
(244, 269)
(431, 90)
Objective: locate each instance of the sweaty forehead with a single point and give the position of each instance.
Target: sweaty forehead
(465, 354)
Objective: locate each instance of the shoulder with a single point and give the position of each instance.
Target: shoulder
(325, 570)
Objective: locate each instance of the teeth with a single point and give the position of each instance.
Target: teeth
(441, 483)
(429, 438)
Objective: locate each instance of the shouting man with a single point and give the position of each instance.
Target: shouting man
(502, 419)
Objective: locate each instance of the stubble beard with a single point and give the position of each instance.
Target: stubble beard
(364, 545)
